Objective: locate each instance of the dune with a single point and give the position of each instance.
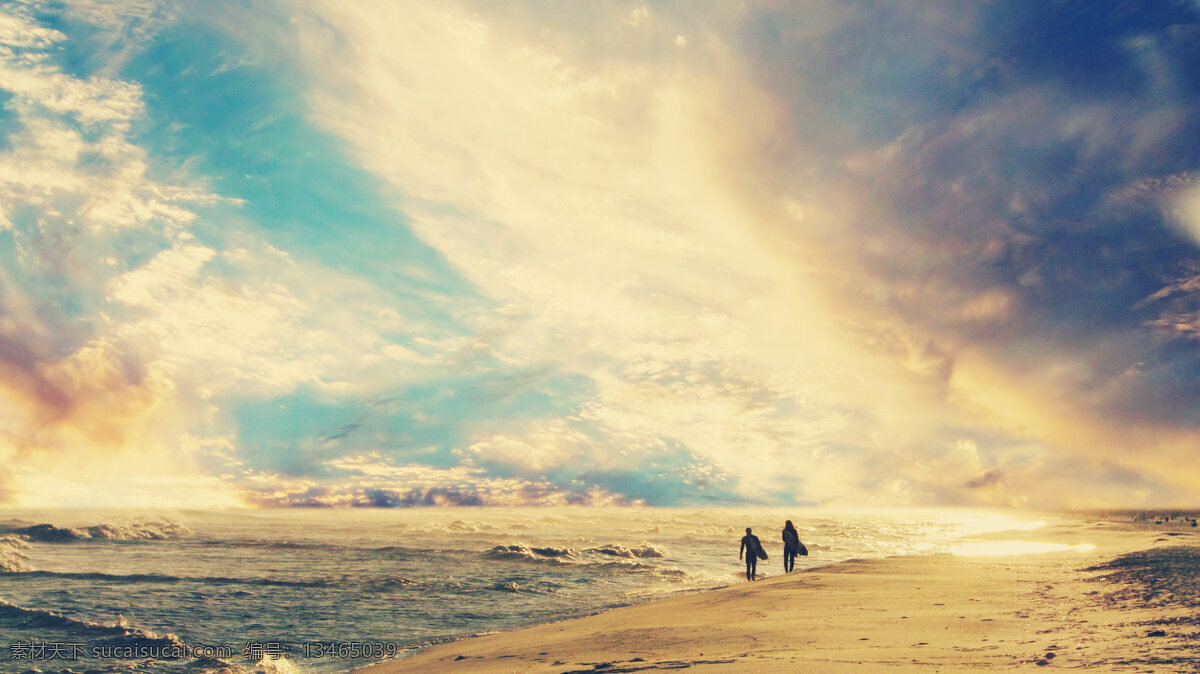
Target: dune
(1095, 601)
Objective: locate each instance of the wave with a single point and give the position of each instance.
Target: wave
(642, 567)
(606, 559)
(31, 618)
(459, 527)
(525, 553)
(509, 586)
(137, 530)
(392, 551)
(120, 631)
(118, 639)
(134, 578)
(46, 533)
(12, 557)
(274, 545)
(526, 586)
(386, 583)
(140, 530)
(673, 573)
(269, 665)
(378, 584)
(644, 551)
(691, 529)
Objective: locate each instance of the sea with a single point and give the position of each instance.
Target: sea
(320, 590)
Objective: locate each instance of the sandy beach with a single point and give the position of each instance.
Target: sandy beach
(1120, 598)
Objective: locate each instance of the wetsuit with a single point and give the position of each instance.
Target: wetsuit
(750, 546)
(791, 548)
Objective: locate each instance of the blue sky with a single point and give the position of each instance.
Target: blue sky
(358, 253)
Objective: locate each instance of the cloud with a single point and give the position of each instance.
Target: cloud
(79, 404)
(666, 303)
(847, 241)
(373, 481)
(830, 252)
(256, 325)
(133, 309)
(1016, 228)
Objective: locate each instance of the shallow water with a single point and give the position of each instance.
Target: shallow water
(329, 590)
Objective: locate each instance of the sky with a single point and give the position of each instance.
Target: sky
(370, 253)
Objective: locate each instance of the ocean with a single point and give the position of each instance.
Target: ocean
(332, 590)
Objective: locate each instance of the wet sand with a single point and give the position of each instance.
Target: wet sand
(920, 613)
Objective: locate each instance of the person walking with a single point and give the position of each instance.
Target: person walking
(791, 547)
(754, 550)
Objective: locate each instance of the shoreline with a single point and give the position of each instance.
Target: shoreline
(908, 613)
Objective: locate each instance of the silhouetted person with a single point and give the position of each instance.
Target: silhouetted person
(791, 547)
(753, 550)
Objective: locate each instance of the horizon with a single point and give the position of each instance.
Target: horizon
(359, 254)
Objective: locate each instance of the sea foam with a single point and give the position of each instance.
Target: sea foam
(526, 553)
(135, 530)
(643, 551)
(12, 556)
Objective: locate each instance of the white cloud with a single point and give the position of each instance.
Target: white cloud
(593, 204)
(17, 32)
(261, 326)
(69, 153)
(370, 480)
(87, 419)
(625, 213)
(130, 388)
(649, 217)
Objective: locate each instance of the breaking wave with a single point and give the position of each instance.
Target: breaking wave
(138, 530)
(118, 632)
(525, 553)
(12, 556)
(644, 551)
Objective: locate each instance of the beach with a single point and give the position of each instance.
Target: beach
(326, 591)
(1109, 595)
